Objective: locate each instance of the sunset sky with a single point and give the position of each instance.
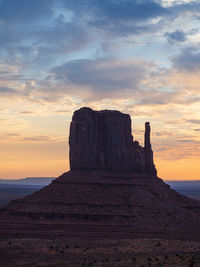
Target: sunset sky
(141, 57)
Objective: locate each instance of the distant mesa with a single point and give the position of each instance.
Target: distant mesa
(111, 190)
(28, 181)
(102, 140)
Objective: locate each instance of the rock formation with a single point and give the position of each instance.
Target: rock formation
(111, 190)
(149, 165)
(102, 140)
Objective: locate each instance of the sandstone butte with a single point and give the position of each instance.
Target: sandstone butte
(111, 191)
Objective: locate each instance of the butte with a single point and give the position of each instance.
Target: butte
(112, 190)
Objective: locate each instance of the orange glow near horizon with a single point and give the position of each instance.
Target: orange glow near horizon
(47, 160)
(167, 170)
(185, 169)
(33, 160)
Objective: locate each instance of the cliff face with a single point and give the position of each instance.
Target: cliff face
(103, 140)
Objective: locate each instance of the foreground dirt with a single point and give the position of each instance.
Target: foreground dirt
(136, 252)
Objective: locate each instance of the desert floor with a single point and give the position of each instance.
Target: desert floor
(125, 252)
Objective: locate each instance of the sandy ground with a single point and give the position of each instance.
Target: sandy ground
(126, 252)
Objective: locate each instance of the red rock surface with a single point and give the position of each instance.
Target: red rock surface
(102, 140)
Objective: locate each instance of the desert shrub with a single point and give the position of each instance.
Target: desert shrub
(133, 259)
(166, 257)
(158, 244)
(149, 259)
(182, 258)
(192, 263)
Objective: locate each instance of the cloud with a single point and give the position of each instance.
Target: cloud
(120, 17)
(186, 141)
(41, 32)
(177, 36)
(62, 111)
(156, 97)
(169, 3)
(181, 7)
(36, 32)
(23, 10)
(88, 79)
(175, 122)
(27, 112)
(187, 60)
(45, 41)
(7, 90)
(6, 137)
(117, 10)
(22, 137)
(62, 26)
(43, 139)
(111, 78)
(62, 37)
(125, 17)
(31, 25)
(194, 121)
(12, 134)
(39, 138)
(101, 74)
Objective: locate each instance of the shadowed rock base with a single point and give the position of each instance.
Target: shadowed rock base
(91, 204)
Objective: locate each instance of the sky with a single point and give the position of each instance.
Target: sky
(141, 57)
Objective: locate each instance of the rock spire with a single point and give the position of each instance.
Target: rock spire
(150, 167)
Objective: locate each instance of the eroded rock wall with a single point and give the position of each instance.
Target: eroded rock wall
(103, 140)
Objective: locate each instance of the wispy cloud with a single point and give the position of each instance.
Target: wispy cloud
(194, 121)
